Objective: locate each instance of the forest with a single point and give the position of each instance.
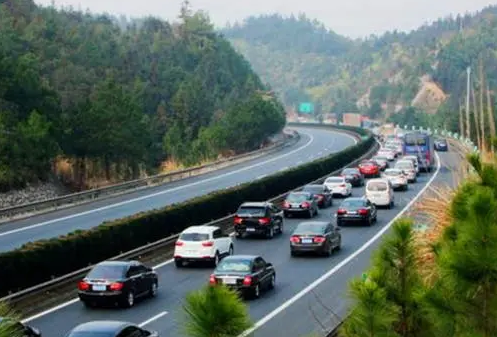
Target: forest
(378, 75)
(114, 99)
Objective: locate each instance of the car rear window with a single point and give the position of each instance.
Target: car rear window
(234, 266)
(196, 237)
(334, 180)
(393, 173)
(377, 186)
(350, 171)
(255, 211)
(293, 197)
(403, 165)
(313, 189)
(310, 229)
(90, 334)
(352, 204)
(107, 272)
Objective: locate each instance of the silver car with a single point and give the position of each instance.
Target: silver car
(397, 178)
(408, 168)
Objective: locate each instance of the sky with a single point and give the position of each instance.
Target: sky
(353, 18)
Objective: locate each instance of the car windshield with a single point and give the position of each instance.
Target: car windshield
(350, 171)
(377, 186)
(107, 271)
(232, 265)
(313, 189)
(255, 211)
(297, 197)
(195, 237)
(352, 204)
(334, 180)
(306, 228)
(91, 334)
(403, 165)
(367, 163)
(393, 173)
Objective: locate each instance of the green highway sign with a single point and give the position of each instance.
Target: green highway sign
(306, 108)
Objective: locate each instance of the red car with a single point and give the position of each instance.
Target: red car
(369, 168)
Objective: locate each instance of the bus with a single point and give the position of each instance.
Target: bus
(421, 145)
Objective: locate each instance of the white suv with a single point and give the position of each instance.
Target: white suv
(202, 244)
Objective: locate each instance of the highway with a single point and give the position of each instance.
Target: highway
(314, 143)
(302, 283)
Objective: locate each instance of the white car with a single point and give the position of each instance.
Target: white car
(202, 244)
(338, 186)
(396, 147)
(408, 167)
(387, 153)
(397, 178)
(415, 161)
(380, 192)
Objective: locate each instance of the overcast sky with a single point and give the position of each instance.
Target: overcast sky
(355, 18)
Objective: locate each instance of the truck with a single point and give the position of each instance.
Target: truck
(352, 119)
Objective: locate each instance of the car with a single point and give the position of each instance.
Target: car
(387, 153)
(397, 178)
(380, 192)
(117, 282)
(247, 274)
(409, 170)
(321, 193)
(369, 168)
(415, 161)
(381, 161)
(202, 244)
(441, 145)
(258, 218)
(20, 328)
(356, 210)
(110, 329)
(338, 186)
(300, 203)
(321, 237)
(353, 176)
(395, 145)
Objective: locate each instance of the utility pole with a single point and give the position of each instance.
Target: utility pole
(468, 89)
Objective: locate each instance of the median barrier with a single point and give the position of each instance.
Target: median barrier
(41, 262)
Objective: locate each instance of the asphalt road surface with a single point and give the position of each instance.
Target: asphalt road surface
(314, 143)
(285, 309)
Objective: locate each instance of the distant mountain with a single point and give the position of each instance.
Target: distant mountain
(425, 68)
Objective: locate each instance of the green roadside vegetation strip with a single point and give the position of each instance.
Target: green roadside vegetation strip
(42, 260)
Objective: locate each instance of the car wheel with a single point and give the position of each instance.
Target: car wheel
(329, 251)
(129, 300)
(309, 213)
(339, 245)
(316, 212)
(88, 305)
(231, 250)
(280, 228)
(370, 221)
(270, 233)
(257, 291)
(153, 290)
(178, 263)
(238, 235)
(286, 214)
(293, 253)
(272, 282)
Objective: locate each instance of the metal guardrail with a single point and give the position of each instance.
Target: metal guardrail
(24, 300)
(131, 186)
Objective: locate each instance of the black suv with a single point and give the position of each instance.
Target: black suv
(258, 218)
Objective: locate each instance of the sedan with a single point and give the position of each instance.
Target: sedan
(369, 168)
(353, 176)
(300, 203)
(248, 274)
(387, 153)
(18, 327)
(338, 186)
(321, 193)
(319, 237)
(397, 178)
(110, 329)
(356, 210)
(117, 282)
(381, 161)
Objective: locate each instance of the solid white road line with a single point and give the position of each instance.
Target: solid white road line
(148, 196)
(153, 318)
(262, 176)
(349, 258)
(160, 265)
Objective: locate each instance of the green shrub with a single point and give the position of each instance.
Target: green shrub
(41, 260)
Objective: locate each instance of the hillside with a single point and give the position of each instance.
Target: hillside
(381, 75)
(94, 99)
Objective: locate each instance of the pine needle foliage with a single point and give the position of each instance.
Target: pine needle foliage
(215, 311)
(8, 326)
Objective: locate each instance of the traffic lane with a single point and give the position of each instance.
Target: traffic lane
(321, 142)
(325, 306)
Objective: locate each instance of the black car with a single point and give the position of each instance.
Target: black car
(441, 145)
(248, 274)
(321, 193)
(117, 282)
(320, 237)
(110, 329)
(258, 218)
(356, 210)
(301, 203)
(353, 176)
(18, 327)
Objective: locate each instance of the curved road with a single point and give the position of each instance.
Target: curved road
(314, 143)
(277, 312)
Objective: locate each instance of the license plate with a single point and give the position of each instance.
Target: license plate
(99, 288)
(351, 212)
(306, 240)
(294, 205)
(377, 195)
(250, 229)
(229, 280)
